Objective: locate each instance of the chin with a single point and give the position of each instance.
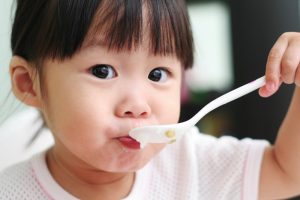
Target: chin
(132, 168)
(132, 164)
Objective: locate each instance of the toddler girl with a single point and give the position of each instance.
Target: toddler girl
(96, 69)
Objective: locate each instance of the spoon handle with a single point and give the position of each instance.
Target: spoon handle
(228, 97)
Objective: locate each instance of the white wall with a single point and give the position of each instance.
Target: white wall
(7, 106)
(4, 45)
(212, 68)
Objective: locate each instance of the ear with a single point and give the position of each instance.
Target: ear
(25, 82)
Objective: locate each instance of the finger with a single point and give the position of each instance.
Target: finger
(297, 76)
(265, 91)
(273, 67)
(290, 62)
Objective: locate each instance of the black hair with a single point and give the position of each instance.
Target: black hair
(57, 29)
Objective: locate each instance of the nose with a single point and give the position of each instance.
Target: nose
(133, 104)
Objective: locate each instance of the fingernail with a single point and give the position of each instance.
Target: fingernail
(271, 85)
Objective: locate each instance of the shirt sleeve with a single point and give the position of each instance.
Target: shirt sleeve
(252, 168)
(229, 167)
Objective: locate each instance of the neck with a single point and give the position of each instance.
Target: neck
(88, 183)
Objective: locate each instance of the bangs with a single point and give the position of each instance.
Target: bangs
(57, 29)
(125, 24)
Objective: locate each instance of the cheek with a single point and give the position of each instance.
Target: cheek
(169, 107)
(174, 111)
(77, 112)
(79, 126)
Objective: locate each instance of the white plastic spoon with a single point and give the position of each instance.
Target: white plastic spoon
(171, 132)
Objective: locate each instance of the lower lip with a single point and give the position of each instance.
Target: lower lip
(129, 142)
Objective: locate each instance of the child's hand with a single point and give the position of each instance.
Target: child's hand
(283, 63)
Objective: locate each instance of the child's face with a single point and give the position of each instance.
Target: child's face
(89, 108)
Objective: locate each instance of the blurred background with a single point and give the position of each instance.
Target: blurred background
(232, 40)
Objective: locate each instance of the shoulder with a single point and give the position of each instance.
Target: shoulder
(17, 171)
(19, 182)
(14, 179)
(221, 152)
(209, 164)
(199, 143)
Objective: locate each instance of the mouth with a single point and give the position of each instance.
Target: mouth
(129, 142)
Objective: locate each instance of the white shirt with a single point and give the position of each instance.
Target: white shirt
(198, 166)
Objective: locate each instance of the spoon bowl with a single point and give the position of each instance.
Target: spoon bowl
(171, 132)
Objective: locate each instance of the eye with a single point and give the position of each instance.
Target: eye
(158, 75)
(103, 71)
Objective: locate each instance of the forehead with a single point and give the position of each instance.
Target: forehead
(129, 25)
